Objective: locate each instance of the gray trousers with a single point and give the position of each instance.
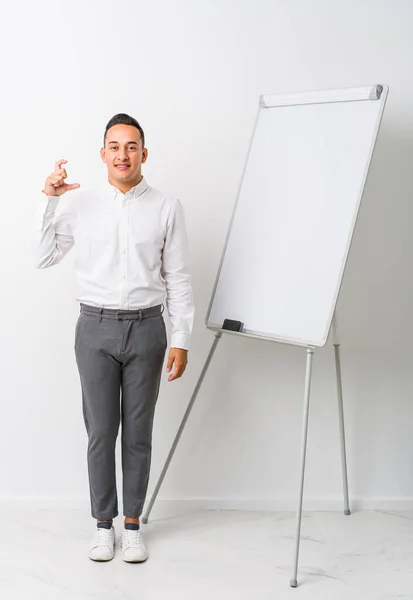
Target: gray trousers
(120, 354)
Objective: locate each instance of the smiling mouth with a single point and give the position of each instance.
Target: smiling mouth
(122, 167)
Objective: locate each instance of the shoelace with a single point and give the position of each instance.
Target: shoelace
(132, 538)
(103, 537)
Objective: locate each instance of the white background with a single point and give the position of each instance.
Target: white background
(191, 72)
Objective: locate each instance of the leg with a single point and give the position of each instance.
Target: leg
(141, 376)
(310, 353)
(100, 380)
(181, 428)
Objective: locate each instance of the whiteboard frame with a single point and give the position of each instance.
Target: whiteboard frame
(377, 92)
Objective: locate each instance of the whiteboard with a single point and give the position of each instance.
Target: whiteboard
(295, 213)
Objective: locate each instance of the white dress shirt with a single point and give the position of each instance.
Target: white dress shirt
(131, 249)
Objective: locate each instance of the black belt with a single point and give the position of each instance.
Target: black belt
(114, 313)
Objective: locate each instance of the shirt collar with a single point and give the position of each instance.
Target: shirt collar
(137, 189)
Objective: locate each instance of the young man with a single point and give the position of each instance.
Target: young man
(131, 250)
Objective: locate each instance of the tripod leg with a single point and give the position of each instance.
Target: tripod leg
(310, 353)
(342, 429)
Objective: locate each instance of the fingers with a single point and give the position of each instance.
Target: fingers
(57, 182)
(61, 173)
(177, 358)
(59, 164)
(178, 371)
(170, 362)
(57, 178)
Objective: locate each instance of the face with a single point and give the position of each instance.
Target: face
(124, 156)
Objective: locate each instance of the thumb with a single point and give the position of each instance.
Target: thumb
(71, 186)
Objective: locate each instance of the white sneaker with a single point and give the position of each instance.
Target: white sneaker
(133, 547)
(102, 546)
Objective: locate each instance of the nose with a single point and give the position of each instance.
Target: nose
(123, 155)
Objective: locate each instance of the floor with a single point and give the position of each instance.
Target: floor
(211, 555)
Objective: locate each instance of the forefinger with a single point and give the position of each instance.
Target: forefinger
(60, 163)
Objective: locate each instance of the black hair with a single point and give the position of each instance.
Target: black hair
(124, 119)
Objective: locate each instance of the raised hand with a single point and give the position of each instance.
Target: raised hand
(55, 184)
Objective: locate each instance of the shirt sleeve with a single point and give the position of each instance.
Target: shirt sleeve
(54, 219)
(176, 272)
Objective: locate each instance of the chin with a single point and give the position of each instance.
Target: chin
(121, 176)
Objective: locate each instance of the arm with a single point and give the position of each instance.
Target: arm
(54, 219)
(176, 273)
(53, 230)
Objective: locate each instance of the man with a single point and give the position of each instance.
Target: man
(130, 251)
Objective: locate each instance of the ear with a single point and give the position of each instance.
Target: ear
(103, 154)
(144, 155)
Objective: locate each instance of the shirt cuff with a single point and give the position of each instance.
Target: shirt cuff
(180, 340)
(49, 203)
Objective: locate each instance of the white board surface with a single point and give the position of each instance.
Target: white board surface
(294, 217)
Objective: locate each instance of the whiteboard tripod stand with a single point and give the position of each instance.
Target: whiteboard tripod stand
(307, 388)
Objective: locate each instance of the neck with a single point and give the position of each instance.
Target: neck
(125, 187)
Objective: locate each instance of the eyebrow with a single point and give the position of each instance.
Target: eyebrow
(132, 142)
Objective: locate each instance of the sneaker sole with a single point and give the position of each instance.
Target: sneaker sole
(102, 559)
(139, 560)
